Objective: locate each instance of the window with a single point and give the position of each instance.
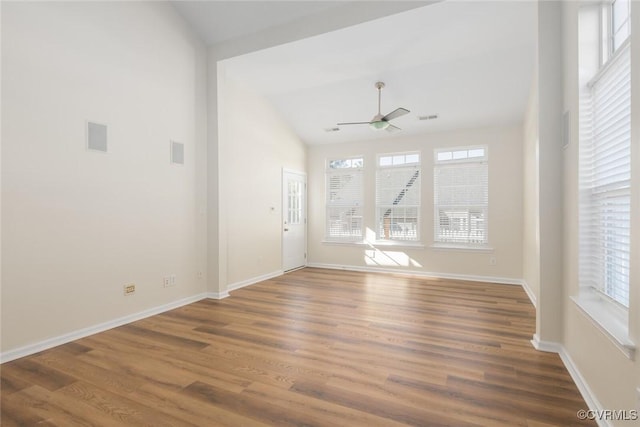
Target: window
(615, 27)
(605, 175)
(344, 199)
(461, 196)
(620, 23)
(398, 196)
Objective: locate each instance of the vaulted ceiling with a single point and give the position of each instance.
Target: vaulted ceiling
(468, 62)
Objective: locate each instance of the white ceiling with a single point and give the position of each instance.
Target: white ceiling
(217, 21)
(471, 63)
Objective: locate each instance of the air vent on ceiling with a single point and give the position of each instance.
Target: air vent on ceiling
(332, 129)
(429, 117)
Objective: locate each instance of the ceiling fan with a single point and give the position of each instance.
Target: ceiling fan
(379, 122)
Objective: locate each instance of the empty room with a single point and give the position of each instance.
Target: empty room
(320, 213)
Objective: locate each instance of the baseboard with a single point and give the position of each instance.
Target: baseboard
(529, 292)
(217, 295)
(30, 349)
(253, 280)
(546, 346)
(470, 278)
(590, 399)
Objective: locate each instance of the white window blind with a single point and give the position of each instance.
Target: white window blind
(398, 196)
(344, 199)
(605, 174)
(461, 196)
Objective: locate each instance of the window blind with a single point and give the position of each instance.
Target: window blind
(605, 182)
(344, 204)
(461, 199)
(398, 202)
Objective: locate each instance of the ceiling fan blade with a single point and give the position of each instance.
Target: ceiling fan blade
(395, 113)
(392, 128)
(353, 123)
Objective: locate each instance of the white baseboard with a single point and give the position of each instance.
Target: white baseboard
(217, 295)
(253, 280)
(588, 396)
(529, 292)
(91, 330)
(471, 278)
(546, 346)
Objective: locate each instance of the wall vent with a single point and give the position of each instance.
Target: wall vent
(177, 153)
(429, 117)
(97, 137)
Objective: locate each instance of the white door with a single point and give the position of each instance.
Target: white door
(294, 220)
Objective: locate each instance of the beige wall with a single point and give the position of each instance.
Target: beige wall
(78, 225)
(505, 207)
(255, 145)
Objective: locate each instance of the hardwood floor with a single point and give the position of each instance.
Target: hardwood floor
(311, 348)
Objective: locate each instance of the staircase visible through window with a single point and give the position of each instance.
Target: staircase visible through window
(398, 197)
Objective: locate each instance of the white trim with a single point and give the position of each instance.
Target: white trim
(530, 294)
(470, 278)
(546, 346)
(377, 243)
(251, 281)
(460, 247)
(218, 295)
(46, 344)
(589, 397)
(606, 317)
(297, 172)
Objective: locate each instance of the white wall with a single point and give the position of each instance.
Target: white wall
(78, 225)
(550, 173)
(505, 206)
(255, 144)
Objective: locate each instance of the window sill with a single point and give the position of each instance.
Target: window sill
(611, 320)
(460, 248)
(379, 243)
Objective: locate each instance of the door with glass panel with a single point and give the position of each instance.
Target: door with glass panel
(294, 220)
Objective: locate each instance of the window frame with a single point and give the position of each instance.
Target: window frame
(608, 31)
(438, 164)
(413, 165)
(608, 315)
(356, 205)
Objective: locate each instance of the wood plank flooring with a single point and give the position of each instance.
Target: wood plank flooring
(311, 348)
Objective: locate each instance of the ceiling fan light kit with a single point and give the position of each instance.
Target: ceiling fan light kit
(379, 125)
(380, 122)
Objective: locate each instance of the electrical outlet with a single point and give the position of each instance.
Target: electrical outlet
(129, 289)
(493, 260)
(168, 281)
